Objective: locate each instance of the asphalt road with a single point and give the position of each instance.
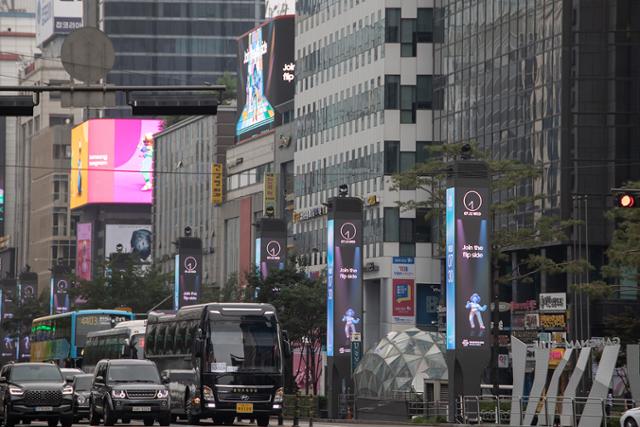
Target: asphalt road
(274, 422)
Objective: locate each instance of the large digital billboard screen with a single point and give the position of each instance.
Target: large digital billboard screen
(468, 268)
(266, 70)
(134, 238)
(112, 161)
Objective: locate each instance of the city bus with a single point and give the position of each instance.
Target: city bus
(60, 338)
(124, 341)
(236, 352)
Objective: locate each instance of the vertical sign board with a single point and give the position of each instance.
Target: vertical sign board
(28, 286)
(403, 302)
(188, 272)
(59, 292)
(269, 192)
(9, 298)
(83, 251)
(468, 268)
(216, 184)
(271, 246)
(344, 291)
(344, 274)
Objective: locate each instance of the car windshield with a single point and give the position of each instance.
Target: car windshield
(40, 373)
(83, 383)
(249, 345)
(133, 374)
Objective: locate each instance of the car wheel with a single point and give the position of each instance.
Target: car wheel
(148, 421)
(9, 420)
(263, 421)
(66, 421)
(192, 419)
(228, 421)
(52, 422)
(94, 419)
(174, 418)
(630, 422)
(109, 419)
(165, 420)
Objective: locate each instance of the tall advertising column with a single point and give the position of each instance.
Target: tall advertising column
(271, 245)
(59, 290)
(468, 274)
(344, 294)
(188, 272)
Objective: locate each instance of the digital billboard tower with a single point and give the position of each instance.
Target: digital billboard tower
(271, 245)
(344, 291)
(188, 271)
(468, 275)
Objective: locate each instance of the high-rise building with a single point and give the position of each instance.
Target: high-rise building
(182, 194)
(364, 111)
(168, 43)
(547, 82)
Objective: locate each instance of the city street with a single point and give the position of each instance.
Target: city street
(302, 423)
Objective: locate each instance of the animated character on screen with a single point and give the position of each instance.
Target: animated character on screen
(141, 243)
(257, 109)
(475, 310)
(146, 149)
(351, 321)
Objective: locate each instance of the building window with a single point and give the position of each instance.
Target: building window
(407, 233)
(424, 25)
(391, 157)
(408, 38)
(407, 163)
(392, 25)
(423, 225)
(391, 224)
(407, 104)
(391, 92)
(423, 152)
(424, 92)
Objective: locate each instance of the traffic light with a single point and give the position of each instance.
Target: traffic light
(626, 200)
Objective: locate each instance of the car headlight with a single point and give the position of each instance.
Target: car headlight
(118, 394)
(16, 391)
(162, 394)
(67, 390)
(81, 400)
(279, 396)
(207, 392)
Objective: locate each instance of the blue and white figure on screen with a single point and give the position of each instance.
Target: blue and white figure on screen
(350, 321)
(475, 311)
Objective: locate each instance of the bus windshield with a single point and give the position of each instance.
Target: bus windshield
(137, 346)
(245, 346)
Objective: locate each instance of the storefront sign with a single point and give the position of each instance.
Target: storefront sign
(529, 305)
(553, 321)
(553, 302)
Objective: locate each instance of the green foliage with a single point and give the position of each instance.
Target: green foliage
(229, 80)
(128, 285)
(24, 314)
(518, 218)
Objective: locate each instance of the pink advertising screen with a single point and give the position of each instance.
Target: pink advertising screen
(112, 161)
(83, 251)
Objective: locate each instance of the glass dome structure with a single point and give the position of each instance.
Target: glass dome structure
(400, 363)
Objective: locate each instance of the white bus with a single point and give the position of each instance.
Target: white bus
(123, 341)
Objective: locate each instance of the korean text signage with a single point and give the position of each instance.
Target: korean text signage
(271, 246)
(550, 302)
(188, 272)
(344, 275)
(216, 184)
(467, 267)
(57, 17)
(403, 289)
(270, 192)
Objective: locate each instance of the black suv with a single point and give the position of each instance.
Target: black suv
(35, 391)
(81, 392)
(128, 389)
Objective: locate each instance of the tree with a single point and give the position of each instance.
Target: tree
(519, 221)
(229, 80)
(25, 312)
(125, 284)
(300, 302)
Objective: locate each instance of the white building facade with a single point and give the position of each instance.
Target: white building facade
(363, 103)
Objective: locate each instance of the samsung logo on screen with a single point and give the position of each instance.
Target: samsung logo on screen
(252, 54)
(348, 233)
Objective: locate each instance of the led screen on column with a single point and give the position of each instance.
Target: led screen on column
(468, 266)
(188, 272)
(271, 246)
(344, 281)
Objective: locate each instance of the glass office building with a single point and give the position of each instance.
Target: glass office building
(185, 42)
(550, 82)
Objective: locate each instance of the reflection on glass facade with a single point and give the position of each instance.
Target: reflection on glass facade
(176, 42)
(501, 83)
